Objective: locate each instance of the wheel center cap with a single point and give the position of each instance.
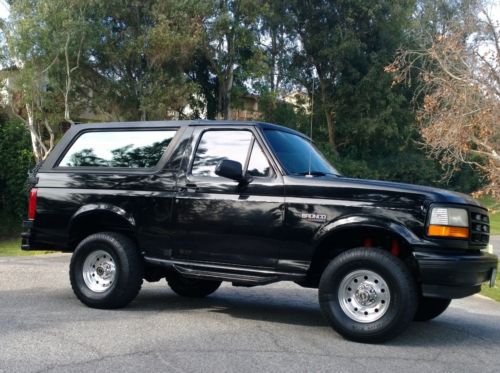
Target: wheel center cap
(100, 271)
(365, 294)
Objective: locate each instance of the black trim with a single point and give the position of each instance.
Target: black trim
(449, 292)
(454, 275)
(225, 272)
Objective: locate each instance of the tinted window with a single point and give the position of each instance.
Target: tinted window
(297, 154)
(126, 149)
(258, 165)
(215, 146)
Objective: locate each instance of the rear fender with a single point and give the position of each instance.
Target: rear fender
(103, 207)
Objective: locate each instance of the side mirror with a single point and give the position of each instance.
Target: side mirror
(231, 169)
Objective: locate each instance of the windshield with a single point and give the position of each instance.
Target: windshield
(297, 155)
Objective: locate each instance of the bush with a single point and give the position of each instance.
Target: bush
(16, 159)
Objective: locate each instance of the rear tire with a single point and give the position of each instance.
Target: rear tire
(430, 308)
(106, 271)
(367, 295)
(192, 288)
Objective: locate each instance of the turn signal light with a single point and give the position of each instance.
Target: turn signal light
(446, 231)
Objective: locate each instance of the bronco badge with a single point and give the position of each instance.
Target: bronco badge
(314, 217)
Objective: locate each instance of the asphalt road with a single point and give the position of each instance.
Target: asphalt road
(276, 328)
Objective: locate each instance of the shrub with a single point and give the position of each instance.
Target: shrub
(15, 160)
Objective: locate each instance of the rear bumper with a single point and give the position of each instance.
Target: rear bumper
(445, 275)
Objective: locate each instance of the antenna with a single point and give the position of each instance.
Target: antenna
(311, 128)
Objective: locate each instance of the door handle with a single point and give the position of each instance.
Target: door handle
(191, 188)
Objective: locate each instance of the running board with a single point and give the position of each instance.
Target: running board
(237, 275)
(235, 278)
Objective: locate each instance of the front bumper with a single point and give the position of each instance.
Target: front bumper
(447, 275)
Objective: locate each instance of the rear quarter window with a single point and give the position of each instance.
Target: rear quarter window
(118, 149)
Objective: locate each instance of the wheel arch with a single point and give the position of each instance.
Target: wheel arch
(100, 217)
(360, 231)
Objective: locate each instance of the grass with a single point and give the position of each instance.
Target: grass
(12, 247)
(493, 206)
(494, 292)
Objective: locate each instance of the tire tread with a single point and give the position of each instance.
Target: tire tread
(125, 291)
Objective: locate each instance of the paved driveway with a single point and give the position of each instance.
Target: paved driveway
(495, 241)
(276, 328)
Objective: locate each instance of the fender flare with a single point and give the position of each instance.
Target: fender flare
(89, 209)
(365, 221)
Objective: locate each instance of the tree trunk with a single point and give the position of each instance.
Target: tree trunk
(273, 59)
(35, 138)
(67, 116)
(228, 85)
(220, 96)
(329, 123)
(328, 115)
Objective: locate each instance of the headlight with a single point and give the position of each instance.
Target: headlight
(448, 222)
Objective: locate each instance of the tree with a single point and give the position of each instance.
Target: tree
(459, 93)
(230, 40)
(16, 160)
(278, 41)
(45, 40)
(340, 39)
(135, 69)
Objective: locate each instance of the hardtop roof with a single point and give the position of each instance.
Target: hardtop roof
(184, 123)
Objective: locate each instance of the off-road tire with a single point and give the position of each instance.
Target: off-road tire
(397, 313)
(128, 270)
(192, 288)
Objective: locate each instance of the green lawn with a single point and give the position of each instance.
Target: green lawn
(494, 212)
(12, 247)
(493, 206)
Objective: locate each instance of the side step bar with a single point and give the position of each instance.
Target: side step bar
(237, 275)
(238, 278)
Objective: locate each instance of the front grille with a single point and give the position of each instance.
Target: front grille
(479, 227)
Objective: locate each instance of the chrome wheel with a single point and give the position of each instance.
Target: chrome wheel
(99, 271)
(364, 296)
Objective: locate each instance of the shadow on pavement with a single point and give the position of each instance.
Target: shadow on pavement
(271, 305)
(289, 306)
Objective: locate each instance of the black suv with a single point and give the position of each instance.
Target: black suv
(201, 202)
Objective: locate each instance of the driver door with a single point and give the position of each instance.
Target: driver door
(218, 220)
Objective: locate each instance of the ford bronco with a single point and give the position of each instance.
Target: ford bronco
(250, 203)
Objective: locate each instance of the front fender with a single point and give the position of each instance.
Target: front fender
(365, 221)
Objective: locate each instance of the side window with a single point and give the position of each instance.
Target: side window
(124, 149)
(215, 146)
(258, 166)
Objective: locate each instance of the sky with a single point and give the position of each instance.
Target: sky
(4, 9)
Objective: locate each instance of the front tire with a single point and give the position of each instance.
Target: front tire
(430, 308)
(190, 287)
(367, 295)
(106, 271)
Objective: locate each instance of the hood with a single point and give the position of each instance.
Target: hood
(434, 194)
(378, 191)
